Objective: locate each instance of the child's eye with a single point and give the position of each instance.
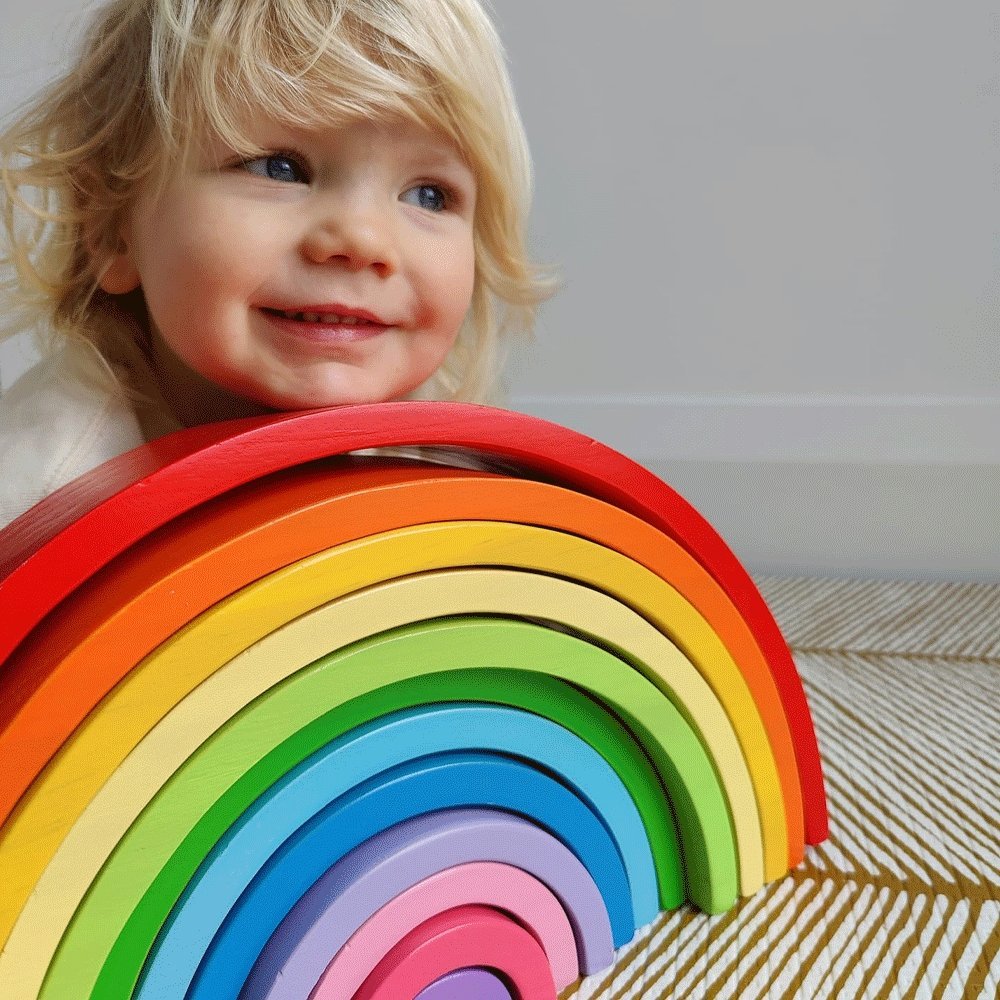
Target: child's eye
(278, 167)
(431, 196)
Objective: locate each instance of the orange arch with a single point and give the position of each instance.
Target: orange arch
(160, 583)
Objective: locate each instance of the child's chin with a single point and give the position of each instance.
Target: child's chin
(319, 401)
(324, 394)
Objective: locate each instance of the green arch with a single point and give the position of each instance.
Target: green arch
(116, 924)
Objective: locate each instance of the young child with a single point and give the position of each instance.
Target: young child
(235, 207)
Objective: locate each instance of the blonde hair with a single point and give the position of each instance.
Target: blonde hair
(154, 77)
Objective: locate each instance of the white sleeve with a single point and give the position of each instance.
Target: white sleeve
(54, 427)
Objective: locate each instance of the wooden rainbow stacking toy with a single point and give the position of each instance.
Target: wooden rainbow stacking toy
(280, 723)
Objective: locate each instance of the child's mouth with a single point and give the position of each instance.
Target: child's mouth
(324, 327)
(330, 319)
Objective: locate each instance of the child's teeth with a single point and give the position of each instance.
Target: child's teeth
(330, 318)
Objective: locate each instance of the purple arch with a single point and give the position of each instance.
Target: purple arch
(401, 856)
(464, 985)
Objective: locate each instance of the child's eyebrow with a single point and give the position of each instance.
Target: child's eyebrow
(444, 155)
(446, 162)
(443, 161)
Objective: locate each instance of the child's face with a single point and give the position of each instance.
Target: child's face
(248, 269)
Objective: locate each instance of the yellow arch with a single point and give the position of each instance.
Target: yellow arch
(57, 798)
(98, 748)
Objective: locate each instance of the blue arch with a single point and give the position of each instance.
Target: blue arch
(308, 848)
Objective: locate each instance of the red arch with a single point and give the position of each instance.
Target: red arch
(67, 537)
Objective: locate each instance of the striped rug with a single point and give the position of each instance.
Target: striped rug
(903, 901)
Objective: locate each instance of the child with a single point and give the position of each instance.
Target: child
(235, 207)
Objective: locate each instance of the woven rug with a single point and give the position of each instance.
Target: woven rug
(903, 900)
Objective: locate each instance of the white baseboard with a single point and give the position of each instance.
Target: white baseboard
(921, 430)
(879, 487)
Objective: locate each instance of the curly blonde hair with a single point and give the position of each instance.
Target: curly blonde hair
(154, 77)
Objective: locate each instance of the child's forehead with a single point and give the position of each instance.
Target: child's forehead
(261, 131)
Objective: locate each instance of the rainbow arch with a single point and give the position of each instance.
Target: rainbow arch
(200, 625)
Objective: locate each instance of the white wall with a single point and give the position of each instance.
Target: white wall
(778, 227)
(36, 41)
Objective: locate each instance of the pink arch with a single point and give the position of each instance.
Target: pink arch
(466, 937)
(489, 883)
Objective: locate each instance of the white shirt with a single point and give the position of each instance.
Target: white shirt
(60, 419)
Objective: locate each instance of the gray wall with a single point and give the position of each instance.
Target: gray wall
(777, 224)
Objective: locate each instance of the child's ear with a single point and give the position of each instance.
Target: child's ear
(118, 272)
(114, 268)
(120, 275)
(107, 241)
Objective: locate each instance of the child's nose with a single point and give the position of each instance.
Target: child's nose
(356, 234)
